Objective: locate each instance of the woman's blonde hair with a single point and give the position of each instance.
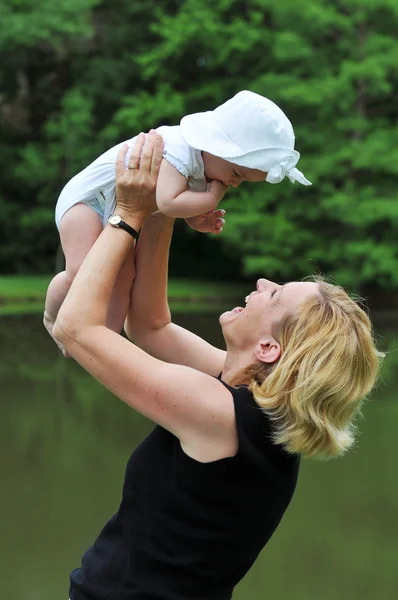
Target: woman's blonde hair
(328, 365)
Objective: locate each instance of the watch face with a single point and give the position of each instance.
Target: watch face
(114, 219)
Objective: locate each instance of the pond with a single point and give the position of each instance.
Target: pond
(65, 442)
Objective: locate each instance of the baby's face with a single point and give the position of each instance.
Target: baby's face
(229, 173)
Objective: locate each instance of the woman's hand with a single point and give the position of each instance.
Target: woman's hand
(136, 184)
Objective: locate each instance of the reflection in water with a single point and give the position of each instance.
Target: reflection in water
(64, 444)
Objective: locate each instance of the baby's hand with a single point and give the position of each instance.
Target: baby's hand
(217, 189)
(210, 222)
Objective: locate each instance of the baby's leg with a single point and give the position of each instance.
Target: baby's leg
(120, 301)
(79, 228)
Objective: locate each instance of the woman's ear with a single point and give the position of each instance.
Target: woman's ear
(267, 351)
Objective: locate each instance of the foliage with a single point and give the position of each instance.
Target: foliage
(81, 75)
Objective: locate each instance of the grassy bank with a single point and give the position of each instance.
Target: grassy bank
(22, 294)
(23, 287)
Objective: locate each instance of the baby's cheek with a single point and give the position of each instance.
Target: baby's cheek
(212, 172)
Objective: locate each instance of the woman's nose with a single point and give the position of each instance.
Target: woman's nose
(263, 284)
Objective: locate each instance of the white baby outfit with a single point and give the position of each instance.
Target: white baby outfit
(95, 185)
(247, 130)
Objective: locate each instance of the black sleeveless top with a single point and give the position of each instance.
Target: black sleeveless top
(188, 530)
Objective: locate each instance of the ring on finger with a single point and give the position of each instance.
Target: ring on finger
(132, 166)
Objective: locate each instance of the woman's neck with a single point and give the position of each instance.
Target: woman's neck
(235, 365)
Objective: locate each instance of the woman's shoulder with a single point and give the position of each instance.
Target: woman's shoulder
(255, 429)
(247, 410)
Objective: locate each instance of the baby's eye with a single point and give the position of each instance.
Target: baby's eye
(235, 174)
(273, 293)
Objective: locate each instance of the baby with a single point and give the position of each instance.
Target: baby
(248, 138)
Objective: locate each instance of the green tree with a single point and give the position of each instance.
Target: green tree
(36, 42)
(333, 69)
(77, 77)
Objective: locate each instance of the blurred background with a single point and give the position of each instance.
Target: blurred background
(79, 76)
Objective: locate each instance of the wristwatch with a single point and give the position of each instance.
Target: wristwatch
(117, 221)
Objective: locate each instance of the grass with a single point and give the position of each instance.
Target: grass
(21, 287)
(26, 293)
(21, 308)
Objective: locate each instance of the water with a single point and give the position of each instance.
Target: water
(64, 445)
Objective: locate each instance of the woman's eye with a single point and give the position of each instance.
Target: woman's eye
(273, 292)
(235, 174)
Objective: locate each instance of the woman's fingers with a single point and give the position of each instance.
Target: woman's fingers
(147, 152)
(157, 155)
(135, 156)
(152, 154)
(121, 160)
(145, 157)
(136, 181)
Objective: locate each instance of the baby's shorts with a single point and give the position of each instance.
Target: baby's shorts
(97, 203)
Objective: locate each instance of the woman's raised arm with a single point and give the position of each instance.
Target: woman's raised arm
(196, 408)
(148, 323)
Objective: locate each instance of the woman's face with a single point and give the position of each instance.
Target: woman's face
(264, 307)
(229, 173)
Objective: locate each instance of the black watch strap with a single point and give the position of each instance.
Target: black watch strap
(117, 221)
(130, 230)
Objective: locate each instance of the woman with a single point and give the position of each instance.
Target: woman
(206, 489)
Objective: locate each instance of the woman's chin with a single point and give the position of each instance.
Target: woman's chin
(227, 316)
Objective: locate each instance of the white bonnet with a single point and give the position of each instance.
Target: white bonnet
(248, 130)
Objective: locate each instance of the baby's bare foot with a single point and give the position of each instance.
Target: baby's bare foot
(49, 324)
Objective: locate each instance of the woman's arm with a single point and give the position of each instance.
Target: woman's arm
(174, 200)
(148, 322)
(197, 408)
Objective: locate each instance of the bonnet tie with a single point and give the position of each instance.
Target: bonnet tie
(284, 169)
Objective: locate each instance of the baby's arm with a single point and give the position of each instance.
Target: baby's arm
(174, 200)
